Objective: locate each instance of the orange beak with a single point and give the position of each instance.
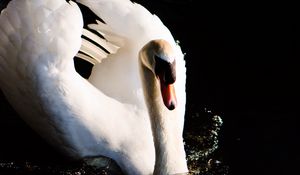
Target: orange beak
(168, 94)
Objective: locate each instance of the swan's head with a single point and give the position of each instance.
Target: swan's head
(160, 59)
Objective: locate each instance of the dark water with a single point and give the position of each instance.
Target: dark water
(241, 64)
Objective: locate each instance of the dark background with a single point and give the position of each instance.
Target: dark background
(241, 64)
(241, 61)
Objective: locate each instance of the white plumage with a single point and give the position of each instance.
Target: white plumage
(107, 114)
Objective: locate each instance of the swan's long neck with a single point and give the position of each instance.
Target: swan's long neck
(169, 148)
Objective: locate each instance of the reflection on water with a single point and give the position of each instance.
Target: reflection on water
(201, 137)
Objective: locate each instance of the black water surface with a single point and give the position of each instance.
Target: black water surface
(241, 63)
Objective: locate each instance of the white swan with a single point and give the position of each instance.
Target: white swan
(116, 113)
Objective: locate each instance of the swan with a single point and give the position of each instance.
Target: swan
(130, 109)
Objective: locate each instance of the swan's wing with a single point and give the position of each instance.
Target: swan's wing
(111, 11)
(129, 20)
(34, 30)
(38, 40)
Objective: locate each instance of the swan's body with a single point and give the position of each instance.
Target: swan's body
(106, 115)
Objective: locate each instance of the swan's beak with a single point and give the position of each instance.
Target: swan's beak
(166, 74)
(168, 95)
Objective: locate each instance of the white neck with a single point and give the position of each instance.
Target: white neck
(167, 135)
(169, 148)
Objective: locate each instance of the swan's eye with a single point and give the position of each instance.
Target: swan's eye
(165, 70)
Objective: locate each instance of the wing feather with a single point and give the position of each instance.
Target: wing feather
(106, 31)
(95, 54)
(111, 48)
(92, 50)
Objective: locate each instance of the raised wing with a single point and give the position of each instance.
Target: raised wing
(37, 31)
